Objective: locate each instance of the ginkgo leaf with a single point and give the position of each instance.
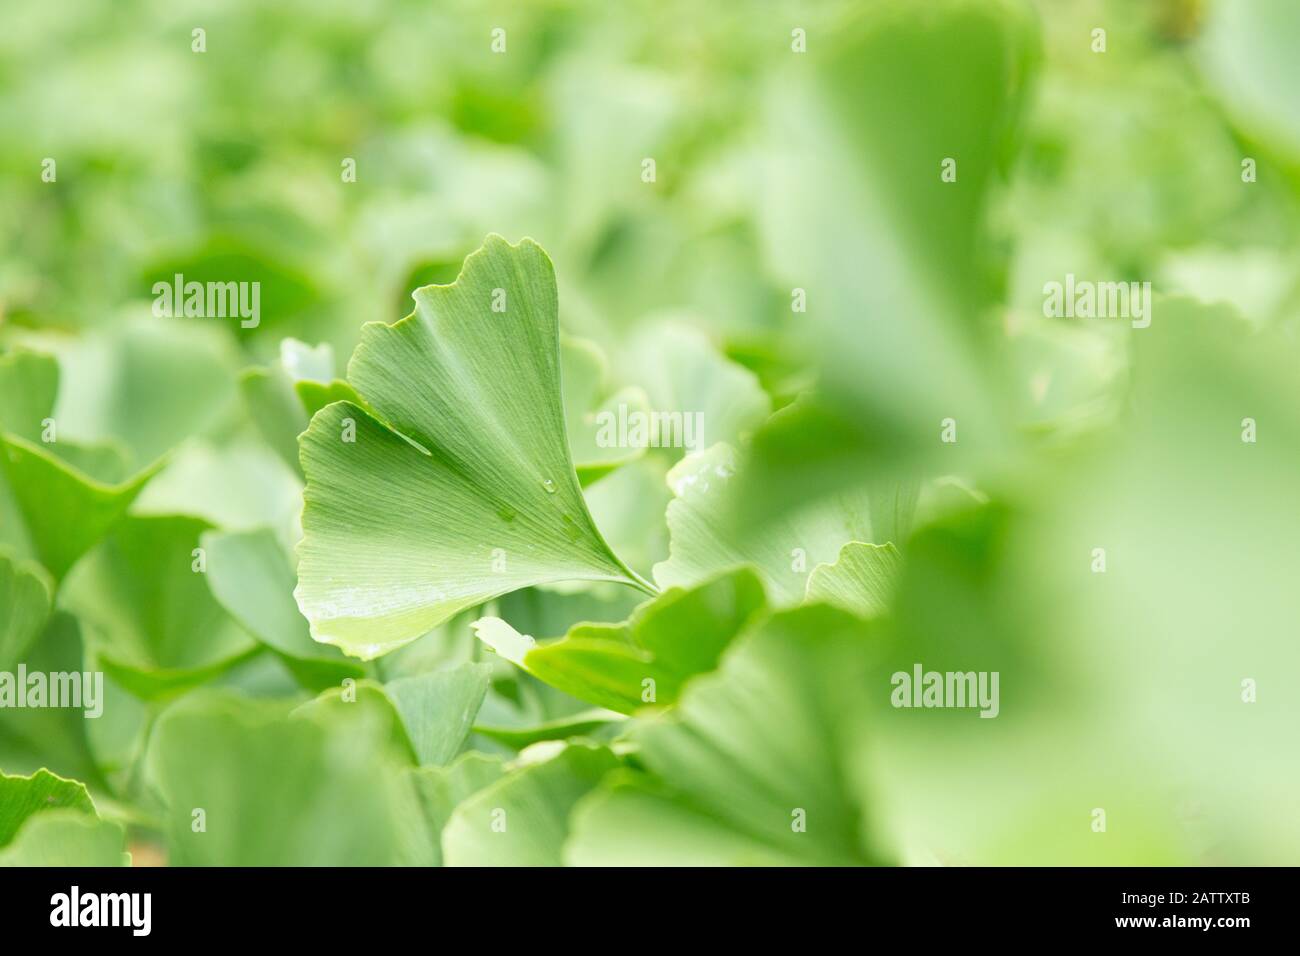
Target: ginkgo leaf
(646, 659)
(25, 591)
(272, 787)
(143, 600)
(592, 417)
(46, 820)
(238, 484)
(360, 713)
(65, 510)
(628, 507)
(759, 763)
(316, 395)
(458, 486)
(523, 818)
(250, 576)
(684, 374)
(861, 580)
(438, 709)
(596, 722)
(275, 398)
(275, 409)
(53, 738)
(21, 797)
(438, 791)
(418, 724)
(57, 497)
(29, 384)
(705, 538)
(146, 382)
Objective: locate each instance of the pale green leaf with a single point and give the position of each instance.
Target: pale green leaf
(523, 818)
(250, 576)
(705, 537)
(760, 762)
(147, 382)
(586, 723)
(646, 659)
(273, 788)
(589, 411)
(437, 792)
(238, 485)
(438, 709)
(46, 820)
(55, 738)
(25, 591)
(148, 614)
(634, 820)
(29, 384)
(65, 838)
(684, 374)
(861, 580)
(315, 395)
(65, 511)
(361, 714)
(275, 404)
(895, 260)
(276, 410)
(21, 797)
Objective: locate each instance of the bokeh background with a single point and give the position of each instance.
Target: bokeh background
(775, 170)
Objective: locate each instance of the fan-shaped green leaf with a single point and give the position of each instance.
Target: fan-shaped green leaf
(458, 486)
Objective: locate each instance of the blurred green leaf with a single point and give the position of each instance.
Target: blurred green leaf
(250, 577)
(438, 791)
(29, 384)
(706, 536)
(684, 373)
(861, 580)
(1247, 53)
(272, 788)
(646, 659)
(66, 511)
(759, 763)
(522, 819)
(32, 738)
(438, 709)
(586, 723)
(144, 602)
(46, 820)
(25, 591)
(587, 406)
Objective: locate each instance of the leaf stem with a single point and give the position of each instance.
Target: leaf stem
(640, 583)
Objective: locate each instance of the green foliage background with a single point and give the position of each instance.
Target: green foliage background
(231, 736)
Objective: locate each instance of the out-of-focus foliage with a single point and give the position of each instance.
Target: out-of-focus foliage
(826, 233)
